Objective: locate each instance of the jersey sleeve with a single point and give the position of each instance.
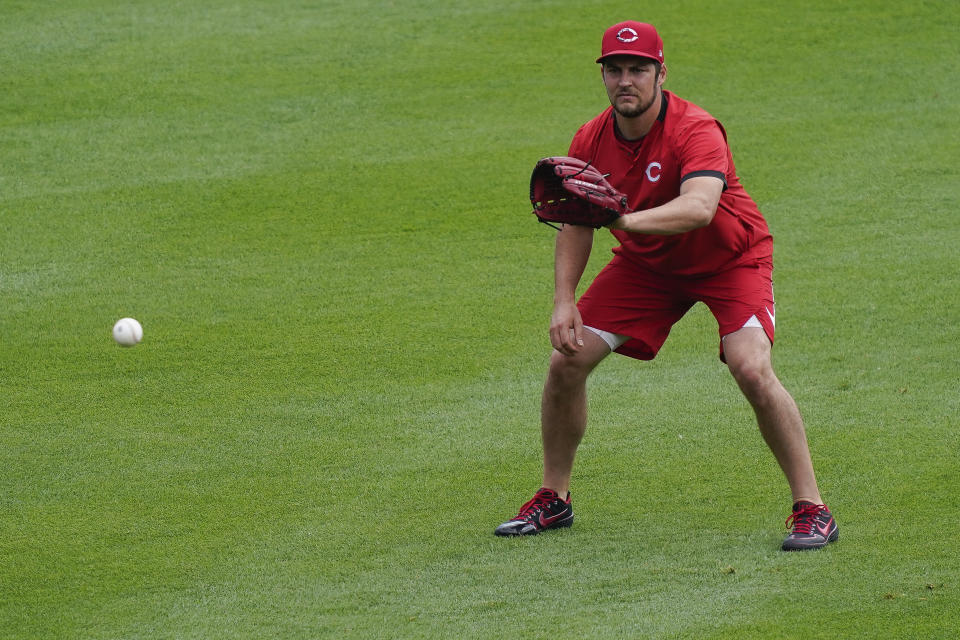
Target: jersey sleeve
(704, 152)
(579, 146)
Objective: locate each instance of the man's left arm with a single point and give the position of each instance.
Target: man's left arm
(692, 209)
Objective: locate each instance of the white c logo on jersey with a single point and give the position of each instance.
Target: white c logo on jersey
(653, 166)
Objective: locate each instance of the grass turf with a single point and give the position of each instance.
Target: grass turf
(317, 212)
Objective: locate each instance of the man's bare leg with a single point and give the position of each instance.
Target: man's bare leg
(748, 355)
(563, 409)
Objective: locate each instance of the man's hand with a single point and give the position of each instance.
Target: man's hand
(566, 328)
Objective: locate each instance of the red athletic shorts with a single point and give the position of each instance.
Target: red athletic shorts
(627, 299)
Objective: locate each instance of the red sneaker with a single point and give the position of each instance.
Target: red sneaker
(546, 510)
(813, 527)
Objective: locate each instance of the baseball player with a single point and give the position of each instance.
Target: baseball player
(691, 234)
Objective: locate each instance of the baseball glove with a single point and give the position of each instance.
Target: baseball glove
(570, 191)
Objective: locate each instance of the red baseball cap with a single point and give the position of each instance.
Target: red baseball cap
(632, 38)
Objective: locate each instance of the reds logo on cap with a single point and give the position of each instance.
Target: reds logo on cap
(632, 39)
(627, 35)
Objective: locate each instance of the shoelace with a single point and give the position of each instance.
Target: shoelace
(535, 505)
(802, 520)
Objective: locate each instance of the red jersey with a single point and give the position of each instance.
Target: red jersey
(684, 142)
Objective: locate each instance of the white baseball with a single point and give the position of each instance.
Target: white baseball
(127, 332)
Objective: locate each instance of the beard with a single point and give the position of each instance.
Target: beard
(637, 111)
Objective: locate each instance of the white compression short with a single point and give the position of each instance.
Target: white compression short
(616, 340)
(613, 340)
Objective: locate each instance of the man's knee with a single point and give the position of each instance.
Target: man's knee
(563, 368)
(754, 374)
(748, 356)
(567, 371)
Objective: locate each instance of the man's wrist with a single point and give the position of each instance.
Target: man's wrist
(622, 223)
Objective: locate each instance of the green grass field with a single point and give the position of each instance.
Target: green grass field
(318, 211)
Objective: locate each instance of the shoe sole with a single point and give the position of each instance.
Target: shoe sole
(566, 522)
(812, 546)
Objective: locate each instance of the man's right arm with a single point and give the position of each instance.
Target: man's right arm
(570, 259)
